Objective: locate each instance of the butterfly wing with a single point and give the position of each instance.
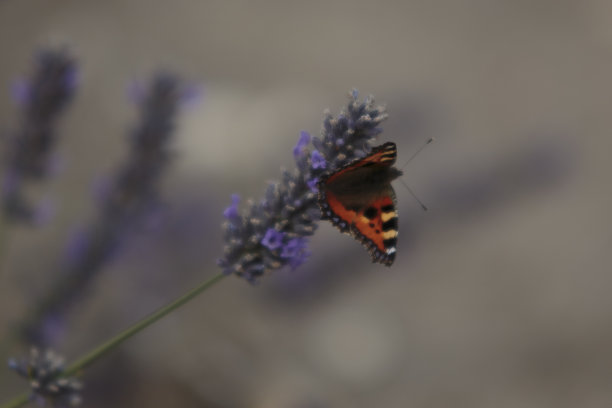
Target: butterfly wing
(376, 227)
(383, 155)
(358, 199)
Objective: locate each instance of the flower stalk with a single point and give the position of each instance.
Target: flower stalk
(272, 233)
(106, 347)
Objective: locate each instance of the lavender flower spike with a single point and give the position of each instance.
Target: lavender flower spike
(128, 198)
(42, 99)
(43, 370)
(273, 233)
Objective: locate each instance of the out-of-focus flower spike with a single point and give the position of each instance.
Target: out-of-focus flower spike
(124, 203)
(41, 99)
(43, 370)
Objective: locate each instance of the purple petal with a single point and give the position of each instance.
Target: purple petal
(318, 161)
(232, 211)
(273, 239)
(313, 184)
(296, 251)
(301, 144)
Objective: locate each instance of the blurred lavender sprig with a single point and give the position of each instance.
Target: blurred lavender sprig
(41, 99)
(44, 372)
(273, 233)
(126, 199)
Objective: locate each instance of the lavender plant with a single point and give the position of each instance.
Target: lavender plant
(273, 233)
(43, 371)
(267, 235)
(42, 99)
(127, 198)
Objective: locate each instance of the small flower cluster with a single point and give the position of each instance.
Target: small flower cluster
(41, 100)
(126, 199)
(43, 370)
(272, 233)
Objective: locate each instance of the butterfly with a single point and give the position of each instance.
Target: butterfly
(358, 199)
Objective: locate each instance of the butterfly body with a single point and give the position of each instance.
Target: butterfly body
(358, 199)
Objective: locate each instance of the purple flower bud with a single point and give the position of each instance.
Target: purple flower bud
(290, 248)
(43, 370)
(301, 144)
(318, 161)
(232, 211)
(273, 239)
(295, 250)
(313, 184)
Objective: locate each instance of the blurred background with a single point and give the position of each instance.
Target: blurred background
(500, 294)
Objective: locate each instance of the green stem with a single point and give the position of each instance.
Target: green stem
(17, 401)
(4, 241)
(109, 345)
(104, 348)
(4, 233)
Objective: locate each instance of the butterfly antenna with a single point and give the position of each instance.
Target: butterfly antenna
(413, 195)
(431, 139)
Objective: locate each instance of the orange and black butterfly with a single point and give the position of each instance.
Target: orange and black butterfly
(358, 199)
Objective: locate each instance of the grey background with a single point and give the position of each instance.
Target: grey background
(500, 295)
